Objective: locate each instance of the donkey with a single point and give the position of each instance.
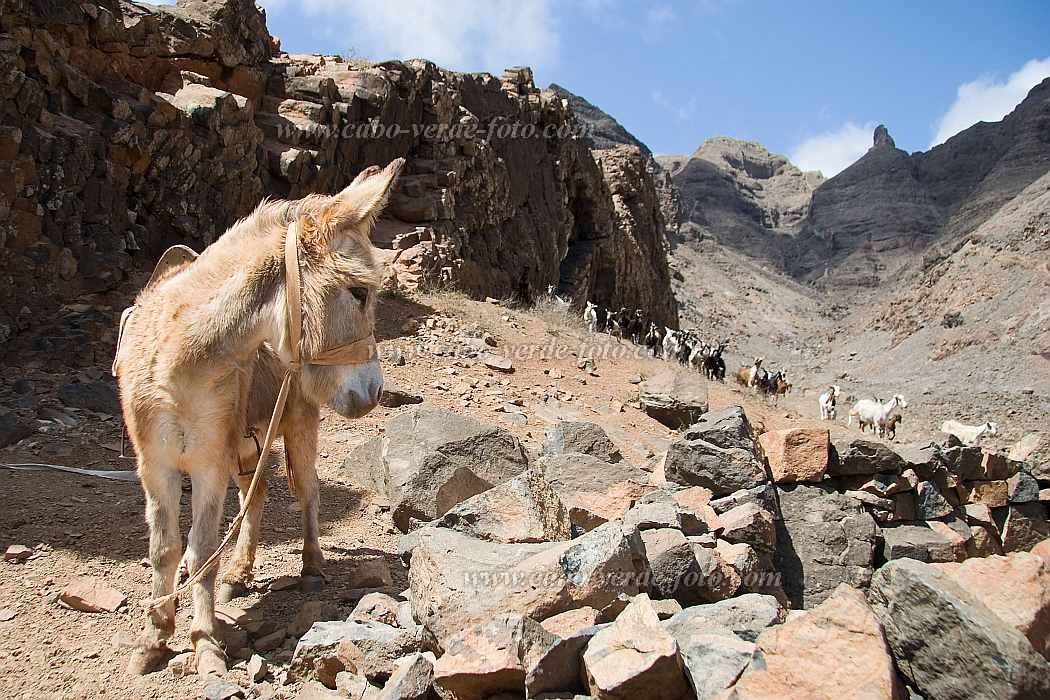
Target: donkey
(199, 363)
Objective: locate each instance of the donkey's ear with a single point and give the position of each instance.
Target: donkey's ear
(363, 200)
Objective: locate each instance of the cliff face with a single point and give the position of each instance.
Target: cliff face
(868, 221)
(741, 195)
(128, 128)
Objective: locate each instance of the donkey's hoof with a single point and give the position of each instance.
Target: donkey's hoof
(210, 662)
(311, 584)
(229, 591)
(148, 660)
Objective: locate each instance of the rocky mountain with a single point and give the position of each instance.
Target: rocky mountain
(889, 207)
(741, 195)
(130, 127)
(603, 131)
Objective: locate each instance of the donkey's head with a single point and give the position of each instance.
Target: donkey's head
(340, 280)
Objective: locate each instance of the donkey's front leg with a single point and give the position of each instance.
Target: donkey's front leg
(209, 481)
(163, 487)
(238, 575)
(300, 449)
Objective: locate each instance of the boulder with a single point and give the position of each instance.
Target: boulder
(696, 516)
(524, 509)
(727, 427)
(1022, 488)
(949, 644)
(13, 429)
(95, 395)
(993, 494)
(570, 622)
(796, 454)
(744, 616)
(634, 658)
(692, 461)
(1024, 526)
(853, 457)
(675, 571)
(823, 539)
(411, 680)
(580, 437)
(429, 460)
(922, 542)
(367, 647)
(751, 525)
(490, 657)
(594, 491)
(718, 578)
(836, 650)
(377, 607)
(673, 397)
(558, 667)
(713, 662)
(457, 581)
(930, 503)
(1015, 587)
(763, 495)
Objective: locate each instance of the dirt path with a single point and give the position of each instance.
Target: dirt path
(93, 527)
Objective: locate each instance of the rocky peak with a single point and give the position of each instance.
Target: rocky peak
(605, 131)
(882, 138)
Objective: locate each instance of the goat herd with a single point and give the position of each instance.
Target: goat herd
(687, 348)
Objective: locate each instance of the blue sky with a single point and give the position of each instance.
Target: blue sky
(809, 80)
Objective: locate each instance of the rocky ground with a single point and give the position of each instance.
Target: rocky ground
(702, 502)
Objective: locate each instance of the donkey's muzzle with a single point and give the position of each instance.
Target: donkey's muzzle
(360, 391)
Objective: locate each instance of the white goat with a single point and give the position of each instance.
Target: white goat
(828, 408)
(875, 413)
(590, 316)
(969, 434)
(671, 344)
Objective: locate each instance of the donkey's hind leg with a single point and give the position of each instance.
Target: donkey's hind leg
(238, 574)
(163, 488)
(209, 492)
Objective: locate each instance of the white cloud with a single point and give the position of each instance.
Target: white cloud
(659, 20)
(833, 151)
(464, 35)
(987, 100)
(680, 112)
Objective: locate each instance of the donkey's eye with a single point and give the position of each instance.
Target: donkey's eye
(360, 293)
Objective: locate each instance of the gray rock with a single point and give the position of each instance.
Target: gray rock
(457, 581)
(395, 397)
(920, 542)
(411, 681)
(12, 429)
(713, 662)
(219, 689)
(948, 643)
(744, 616)
(676, 398)
(650, 516)
(430, 460)
(557, 668)
(930, 503)
(375, 647)
(764, 496)
(594, 491)
(695, 462)
(581, 437)
(1025, 525)
(853, 457)
(727, 428)
(94, 395)
(1022, 488)
(524, 509)
(824, 538)
(675, 571)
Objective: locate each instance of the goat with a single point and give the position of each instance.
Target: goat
(671, 343)
(654, 339)
(969, 434)
(891, 425)
(753, 373)
(876, 413)
(828, 400)
(590, 316)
